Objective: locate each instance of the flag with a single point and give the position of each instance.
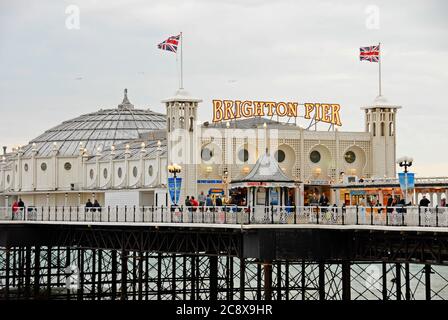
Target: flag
(371, 54)
(170, 44)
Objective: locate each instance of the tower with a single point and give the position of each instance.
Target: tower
(380, 121)
(182, 142)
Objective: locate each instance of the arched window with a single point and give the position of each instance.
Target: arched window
(191, 123)
(382, 129)
(169, 125)
(391, 129)
(172, 124)
(374, 129)
(182, 122)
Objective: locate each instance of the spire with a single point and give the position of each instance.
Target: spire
(126, 104)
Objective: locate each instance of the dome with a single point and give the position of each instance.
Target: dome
(97, 130)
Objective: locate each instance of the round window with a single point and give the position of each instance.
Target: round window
(243, 155)
(67, 166)
(120, 172)
(134, 172)
(150, 170)
(25, 167)
(280, 155)
(91, 173)
(43, 166)
(350, 157)
(206, 154)
(315, 156)
(105, 173)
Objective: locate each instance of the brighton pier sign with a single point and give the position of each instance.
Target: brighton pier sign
(224, 110)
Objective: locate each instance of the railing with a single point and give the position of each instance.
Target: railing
(345, 215)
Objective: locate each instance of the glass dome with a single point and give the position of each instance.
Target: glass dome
(97, 130)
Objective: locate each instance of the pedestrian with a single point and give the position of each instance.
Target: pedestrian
(187, 203)
(97, 205)
(21, 206)
(218, 201)
(443, 202)
(208, 202)
(194, 203)
(88, 205)
(15, 208)
(201, 199)
(424, 202)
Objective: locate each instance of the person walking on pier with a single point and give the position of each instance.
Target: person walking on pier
(97, 205)
(88, 205)
(15, 208)
(424, 202)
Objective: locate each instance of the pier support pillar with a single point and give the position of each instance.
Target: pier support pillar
(428, 281)
(346, 281)
(267, 266)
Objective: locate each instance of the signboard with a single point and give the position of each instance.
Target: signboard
(216, 191)
(174, 189)
(357, 192)
(407, 180)
(209, 181)
(234, 109)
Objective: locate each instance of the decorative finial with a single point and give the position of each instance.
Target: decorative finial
(126, 103)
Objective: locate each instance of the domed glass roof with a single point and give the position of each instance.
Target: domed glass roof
(97, 130)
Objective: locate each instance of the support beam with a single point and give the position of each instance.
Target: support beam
(346, 280)
(213, 271)
(321, 281)
(124, 275)
(428, 281)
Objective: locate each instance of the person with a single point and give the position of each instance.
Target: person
(15, 208)
(424, 202)
(443, 202)
(187, 203)
(390, 201)
(88, 205)
(21, 206)
(201, 199)
(208, 201)
(194, 203)
(218, 201)
(323, 201)
(96, 204)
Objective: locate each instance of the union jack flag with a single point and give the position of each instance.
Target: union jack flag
(371, 54)
(170, 44)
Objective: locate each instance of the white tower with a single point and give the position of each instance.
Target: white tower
(380, 121)
(181, 113)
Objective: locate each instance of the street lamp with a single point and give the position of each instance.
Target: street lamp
(405, 162)
(175, 169)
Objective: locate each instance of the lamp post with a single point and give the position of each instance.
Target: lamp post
(175, 169)
(224, 178)
(405, 162)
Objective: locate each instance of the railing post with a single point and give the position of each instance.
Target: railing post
(70, 213)
(248, 211)
(419, 217)
(371, 215)
(214, 216)
(343, 214)
(77, 213)
(295, 214)
(203, 214)
(317, 214)
(272, 214)
(402, 216)
(437, 215)
(357, 215)
(134, 212)
(125, 213)
(225, 213)
(387, 216)
(63, 213)
(108, 213)
(161, 212)
(116, 213)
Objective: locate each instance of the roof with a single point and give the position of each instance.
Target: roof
(266, 169)
(381, 102)
(100, 129)
(182, 95)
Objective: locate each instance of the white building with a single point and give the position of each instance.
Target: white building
(120, 155)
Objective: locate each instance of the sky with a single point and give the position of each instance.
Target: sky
(61, 59)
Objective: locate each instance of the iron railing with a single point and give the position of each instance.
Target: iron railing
(332, 215)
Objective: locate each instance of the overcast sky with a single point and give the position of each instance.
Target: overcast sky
(275, 50)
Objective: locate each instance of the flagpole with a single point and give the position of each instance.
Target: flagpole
(181, 63)
(379, 67)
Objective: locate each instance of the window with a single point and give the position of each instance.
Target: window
(374, 129)
(25, 167)
(67, 166)
(43, 166)
(150, 170)
(182, 122)
(280, 156)
(191, 123)
(91, 173)
(315, 156)
(206, 154)
(105, 173)
(391, 129)
(382, 129)
(8, 178)
(243, 155)
(120, 172)
(135, 172)
(169, 125)
(350, 157)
